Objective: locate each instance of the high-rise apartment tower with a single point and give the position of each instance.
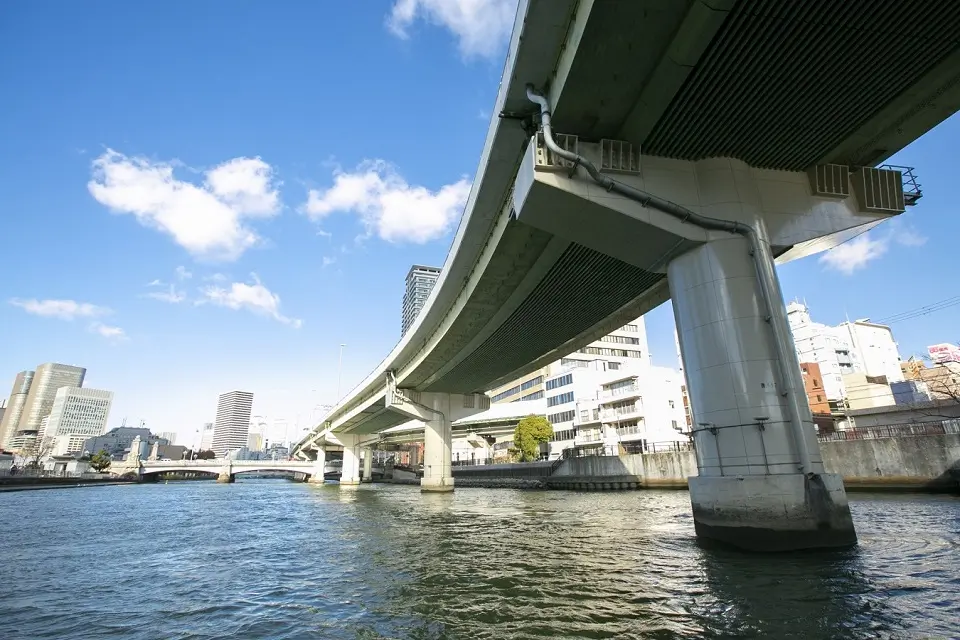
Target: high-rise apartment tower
(420, 282)
(232, 425)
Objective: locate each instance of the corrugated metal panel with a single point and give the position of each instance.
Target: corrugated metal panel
(758, 92)
(583, 288)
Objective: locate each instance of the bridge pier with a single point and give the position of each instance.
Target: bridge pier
(762, 484)
(367, 465)
(350, 474)
(437, 444)
(316, 475)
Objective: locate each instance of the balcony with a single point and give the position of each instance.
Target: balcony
(622, 413)
(620, 392)
(589, 436)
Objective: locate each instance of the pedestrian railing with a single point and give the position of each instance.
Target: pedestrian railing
(891, 431)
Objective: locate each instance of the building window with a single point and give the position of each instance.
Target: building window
(671, 404)
(531, 383)
(506, 394)
(563, 416)
(630, 328)
(563, 398)
(608, 351)
(562, 381)
(536, 395)
(620, 339)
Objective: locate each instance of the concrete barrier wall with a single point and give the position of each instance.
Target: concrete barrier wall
(516, 470)
(909, 463)
(931, 462)
(669, 469)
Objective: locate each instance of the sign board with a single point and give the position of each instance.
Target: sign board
(944, 352)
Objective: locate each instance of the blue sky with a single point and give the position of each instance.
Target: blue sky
(199, 199)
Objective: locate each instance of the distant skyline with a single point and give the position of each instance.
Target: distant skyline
(224, 212)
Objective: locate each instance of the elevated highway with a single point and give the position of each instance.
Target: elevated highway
(711, 116)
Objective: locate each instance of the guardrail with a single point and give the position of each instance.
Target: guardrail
(891, 431)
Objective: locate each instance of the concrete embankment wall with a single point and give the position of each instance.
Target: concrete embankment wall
(924, 463)
(25, 483)
(912, 463)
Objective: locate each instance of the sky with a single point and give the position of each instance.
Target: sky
(197, 200)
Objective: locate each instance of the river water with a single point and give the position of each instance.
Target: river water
(275, 559)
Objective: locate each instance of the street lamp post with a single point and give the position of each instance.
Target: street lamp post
(339, 369)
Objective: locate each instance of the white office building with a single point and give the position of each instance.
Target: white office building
(232, 425)
(206, 437)
(819, 343)
(76, 415)
(169, 436)
(420, 282)
(853, 347)
(875, 351)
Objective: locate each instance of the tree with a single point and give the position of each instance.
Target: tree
(34, 453)
(100, 461)
(205, 455)
(529, 434)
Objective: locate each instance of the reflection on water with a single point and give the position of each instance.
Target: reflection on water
(270, 559)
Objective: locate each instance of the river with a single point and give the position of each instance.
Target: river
(275, 559)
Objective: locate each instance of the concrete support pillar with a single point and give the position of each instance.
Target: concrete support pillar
(437, 444)
(316, 477)
(351, 459)
(752, 490)
(226, 474)
(367, 465)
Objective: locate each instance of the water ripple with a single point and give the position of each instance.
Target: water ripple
(269, 559)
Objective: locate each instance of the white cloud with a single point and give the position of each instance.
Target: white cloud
(183, 273)
(481, 26)
(387, 205)
(252, 297)
(216, 277)
(208, 220)
(171, 295)
(854, 254)
(62, 309)
(909, 237)
(155, 283)
(112, 333)
(327, 261)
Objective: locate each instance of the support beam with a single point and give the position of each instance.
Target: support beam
(752, 491)
(316, 476)
(367, 465)
(351, 460)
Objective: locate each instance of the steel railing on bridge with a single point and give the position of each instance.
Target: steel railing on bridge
(936, 428)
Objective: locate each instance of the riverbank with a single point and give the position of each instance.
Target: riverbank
(26, 483)
(926, 464)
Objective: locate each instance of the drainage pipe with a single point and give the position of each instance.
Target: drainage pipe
(759, 249)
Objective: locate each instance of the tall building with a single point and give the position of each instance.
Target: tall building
(169, 436)
(77, 415)
(206, 437)
(47, 379)
(233, 422)
(420, 282)
(18, 400)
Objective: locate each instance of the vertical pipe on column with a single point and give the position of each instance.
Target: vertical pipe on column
(760, 248)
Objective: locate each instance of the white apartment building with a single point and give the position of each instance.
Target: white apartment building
(76, 415)
(597, 405)
(875, 351)
(859, 346)
(819, 343)
(232, 424)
